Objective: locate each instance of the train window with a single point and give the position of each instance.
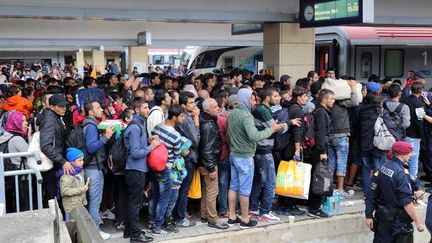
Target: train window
(228, 61)
(394, 63)
(366, 64)
(158, 59)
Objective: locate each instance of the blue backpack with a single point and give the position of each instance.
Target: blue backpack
(84, 95)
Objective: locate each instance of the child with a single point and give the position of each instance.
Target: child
(178, 173)
(72, 188)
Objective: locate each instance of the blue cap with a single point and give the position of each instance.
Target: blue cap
(373, 87)
(145, 80)
(420, 75)
(73, 154)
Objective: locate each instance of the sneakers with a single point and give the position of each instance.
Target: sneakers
(295, 211)
(250, 224)
(317, 214)
(185, 223)
(204, 220)
(170, 225)
(119, 226)
(233, 222)
(158, 231)
(218, 225)
(282, 212)
(107, 215)
(105, 236)
(269, 217)
(346, 195)
(254, 213)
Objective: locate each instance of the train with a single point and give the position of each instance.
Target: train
(356, 51)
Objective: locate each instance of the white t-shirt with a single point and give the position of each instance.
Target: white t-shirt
(2, 79)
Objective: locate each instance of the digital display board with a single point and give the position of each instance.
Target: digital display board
(317, 13)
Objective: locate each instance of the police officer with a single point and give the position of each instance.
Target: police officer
(390, 196)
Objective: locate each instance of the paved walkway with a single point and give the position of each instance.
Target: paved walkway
(203, 229)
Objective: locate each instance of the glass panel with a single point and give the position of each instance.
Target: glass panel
(394, 60)
(366, 65)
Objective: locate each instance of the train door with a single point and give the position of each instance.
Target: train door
(326, 56)
(367, 62)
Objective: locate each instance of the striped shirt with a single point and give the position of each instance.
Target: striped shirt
(264, 119)
(171, 138)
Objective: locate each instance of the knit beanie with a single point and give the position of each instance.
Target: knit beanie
(73, 154)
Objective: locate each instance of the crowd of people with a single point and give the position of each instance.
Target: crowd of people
(233, 127)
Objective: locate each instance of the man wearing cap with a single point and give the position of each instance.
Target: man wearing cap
(419, 77)
(52, 134)
(389, 206)
(373, 87)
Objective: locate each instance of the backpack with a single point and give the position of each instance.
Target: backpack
(280, 138)
(309, 122)
(394, 124)
(117, 153)
(76, 139)
(383, 139)
(84, 95)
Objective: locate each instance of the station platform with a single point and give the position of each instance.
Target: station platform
(346, 226)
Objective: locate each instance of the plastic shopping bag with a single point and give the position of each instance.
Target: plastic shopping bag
(195, 188)
(293, 179)
(45, 164)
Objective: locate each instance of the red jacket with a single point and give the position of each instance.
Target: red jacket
(222, 124)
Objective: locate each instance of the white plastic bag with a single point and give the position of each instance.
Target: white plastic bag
(34, 145)
(341, 88)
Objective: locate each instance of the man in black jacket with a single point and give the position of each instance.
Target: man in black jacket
(326, 99)
(209, 153)
(52, 134)
(293, 150)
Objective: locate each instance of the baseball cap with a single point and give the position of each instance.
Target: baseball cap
(373, 86)
(58, 100)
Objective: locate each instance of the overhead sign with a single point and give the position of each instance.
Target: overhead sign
(318, 13)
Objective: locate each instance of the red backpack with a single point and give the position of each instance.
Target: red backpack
(158, 158)
(309, 122)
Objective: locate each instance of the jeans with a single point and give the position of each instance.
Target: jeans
(338, 149)
(95, 191)
(372, 160)
(223, 175)
(161, 191)
(242, 170)
(265, 179)
(414, 159)
(182, 200)
(135, 183)
(172, 200)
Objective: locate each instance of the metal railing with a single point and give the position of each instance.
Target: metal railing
(17, 174)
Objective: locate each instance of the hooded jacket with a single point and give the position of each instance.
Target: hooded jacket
(241, 131)
(18, 103)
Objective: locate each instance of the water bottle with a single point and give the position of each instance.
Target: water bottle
(337, 202)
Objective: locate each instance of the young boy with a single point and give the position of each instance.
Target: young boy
(72, 188)
(178, 173)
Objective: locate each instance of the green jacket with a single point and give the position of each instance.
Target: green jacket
(242, 133)
(72, 191)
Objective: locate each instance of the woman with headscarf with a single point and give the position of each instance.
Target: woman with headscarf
(16, 135)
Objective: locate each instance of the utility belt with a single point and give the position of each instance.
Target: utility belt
(391, 214)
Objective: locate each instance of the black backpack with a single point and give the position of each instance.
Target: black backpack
(76, 139)
(117, 154)
(394, 124)
(281, 140)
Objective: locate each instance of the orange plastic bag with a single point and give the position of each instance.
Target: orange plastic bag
(195, 188)
(293, 179)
